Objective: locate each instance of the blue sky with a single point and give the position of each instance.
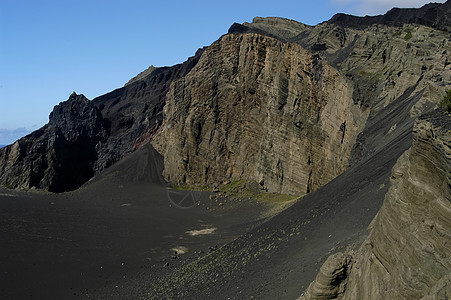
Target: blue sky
(49, 48)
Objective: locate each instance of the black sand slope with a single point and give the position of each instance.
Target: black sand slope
(281, 257)
(111, 238)
(126, 235)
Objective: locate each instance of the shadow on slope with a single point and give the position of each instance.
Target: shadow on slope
(113, 236)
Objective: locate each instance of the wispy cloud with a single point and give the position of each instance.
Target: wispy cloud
(9, 136)
(376, 7)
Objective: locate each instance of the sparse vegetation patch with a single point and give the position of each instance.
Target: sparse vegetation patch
(408, 32)
(445, 103)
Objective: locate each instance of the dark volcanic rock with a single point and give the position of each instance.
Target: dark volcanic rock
(59, 156)
(84, 137)
(434, 15)
(75, 116)
(135, 111)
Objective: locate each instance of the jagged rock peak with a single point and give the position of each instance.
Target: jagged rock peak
(75, 105)
(75, 96)
(75, 115)
(61, 155)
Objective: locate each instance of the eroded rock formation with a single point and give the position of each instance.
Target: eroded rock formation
(407, 254)
(332, 278)
(84, 137)
(258, 108)
(259, 105)
(59, 156)
(274, 101)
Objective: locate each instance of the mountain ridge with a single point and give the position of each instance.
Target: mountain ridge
(322, 112)
(130, 120)
(435, 15)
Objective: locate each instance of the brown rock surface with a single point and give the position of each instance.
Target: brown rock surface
(233, 115)
(257, 108)
(332, 278)
(407, 254)
(286, 105)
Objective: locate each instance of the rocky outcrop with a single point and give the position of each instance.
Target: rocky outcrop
(84, 137)
(332, 278)
(257, 108)
(274, 101)
(407, 254)
(58, 156)
(385, 64)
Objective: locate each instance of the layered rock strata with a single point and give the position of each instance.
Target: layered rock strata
(407, 254)
(331, 281)
(213, 116)
(275, 101)
(258, 108)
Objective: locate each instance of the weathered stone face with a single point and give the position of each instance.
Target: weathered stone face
(258, 108)
(406, 255)
(263, 104)
(59, 156)
(409, 250)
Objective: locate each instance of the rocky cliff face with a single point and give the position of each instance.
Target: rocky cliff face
(280, 102)
(258, 108)
(289, 106)
(275, 101)
(383, 62)
(407, 254)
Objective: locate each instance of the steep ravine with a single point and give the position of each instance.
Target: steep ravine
(407, 254)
